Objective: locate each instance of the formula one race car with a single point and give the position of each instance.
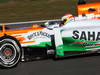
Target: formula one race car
(25, 42)
(88, 9)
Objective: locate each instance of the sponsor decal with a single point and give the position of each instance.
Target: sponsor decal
(84, 44)
(38, 34)
(89, 35)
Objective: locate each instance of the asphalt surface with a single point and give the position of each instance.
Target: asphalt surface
(88, 65)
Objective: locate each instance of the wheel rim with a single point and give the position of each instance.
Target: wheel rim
(8, 53)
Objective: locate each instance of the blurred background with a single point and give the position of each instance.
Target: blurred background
(31, 10)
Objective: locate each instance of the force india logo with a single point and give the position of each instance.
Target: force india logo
(83, 35)
(38, 34)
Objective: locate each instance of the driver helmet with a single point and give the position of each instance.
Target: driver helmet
(67, 18)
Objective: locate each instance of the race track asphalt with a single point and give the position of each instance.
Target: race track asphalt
(88, 65)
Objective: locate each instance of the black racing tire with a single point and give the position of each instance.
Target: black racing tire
(10, 52)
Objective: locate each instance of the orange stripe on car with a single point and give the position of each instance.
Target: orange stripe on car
(20, 31)
(27, 42)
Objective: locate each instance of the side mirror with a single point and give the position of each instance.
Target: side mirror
(91, 10)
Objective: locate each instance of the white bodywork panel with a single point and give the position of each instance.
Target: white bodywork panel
(87, 26)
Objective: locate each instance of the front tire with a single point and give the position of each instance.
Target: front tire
(10, 52)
